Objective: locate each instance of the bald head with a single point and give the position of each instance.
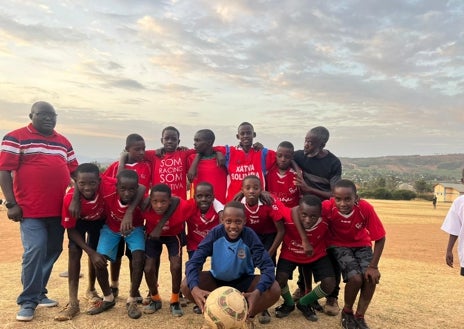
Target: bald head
(43, 117)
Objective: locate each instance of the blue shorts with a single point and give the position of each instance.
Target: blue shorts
(352, 261)
(109, 241)
(153, 248)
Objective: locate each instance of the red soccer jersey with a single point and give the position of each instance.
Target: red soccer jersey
(240, 164)
(41, 166)
(171, 169)
(283, 186)
(292, 246)
(115, 210)
(261, 217)
(143, 170)
(198, 225)
(175, 223)
(358, 229)
(209, 171)
(91, 210)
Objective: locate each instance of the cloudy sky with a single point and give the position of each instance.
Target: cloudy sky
(385, 77)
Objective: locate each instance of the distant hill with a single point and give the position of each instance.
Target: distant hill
(408, 169)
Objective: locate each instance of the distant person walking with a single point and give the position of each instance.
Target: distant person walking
(434, 202)
(35, 167)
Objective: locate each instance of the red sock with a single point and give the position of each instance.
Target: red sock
(347, 310)
(359, 316)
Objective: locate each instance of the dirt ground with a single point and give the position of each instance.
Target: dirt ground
(417, 289)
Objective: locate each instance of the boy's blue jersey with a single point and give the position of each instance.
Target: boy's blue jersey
(231, 260)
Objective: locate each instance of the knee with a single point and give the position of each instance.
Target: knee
(275, 292)
(328, 285)
(356, 279)
(138, 259)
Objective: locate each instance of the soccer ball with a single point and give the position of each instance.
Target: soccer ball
(226, 308)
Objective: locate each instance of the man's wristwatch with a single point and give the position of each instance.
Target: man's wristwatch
(10, 205)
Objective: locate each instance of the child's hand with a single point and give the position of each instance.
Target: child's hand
(308, 248)
(239, 196)
(126, 224)
(372, 275)
(252, 299)
(449, 258)
(98, 260)
(200, 295)
(258, 146)
(266, 198)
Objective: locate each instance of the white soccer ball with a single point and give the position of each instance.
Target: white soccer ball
(226, 308)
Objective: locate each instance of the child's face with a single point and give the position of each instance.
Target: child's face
(170, 140)
(284, 157)
(160, 202)
(345, 199)
(136, 151)
(234, 220)
(312, 145)
(251, 189)
(201, 144)
(308, 215)
(87, 184)
(245, 135)
(127, 189)
(204, 197)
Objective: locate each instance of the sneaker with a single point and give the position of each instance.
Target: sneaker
(296, 295)
(176, 309)
(264, 317)
(47, 302)
(307, 311)
(92, 296)
(68, 312)
(133, 310)
(284, 310)
(361, 323)
(347, 321)
(331, 307)
(249, 324)
(152, 307)
(100, 306)
(317, 307)
(138, 297)
(25, 313)
(197, 309)
(115, 291)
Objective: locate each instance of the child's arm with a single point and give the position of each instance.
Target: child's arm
(278, 238)
(307, 247)
(449, 250)
(97, 259)
(75, 205)
(372, 271)
(192, 172)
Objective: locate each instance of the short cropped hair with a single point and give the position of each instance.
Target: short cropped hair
(287, 145)
(133, 138)
(311, 200)
(204, 183)
(251, 177)
(87, 167)
(321, 133)
(163, 188)
(235, 204)
(208, 134)
(246, 124)
(171, 128)
(127, 173)
(346, 183)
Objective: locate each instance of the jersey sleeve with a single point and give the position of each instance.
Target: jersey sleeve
(454, 218)
(374, 224)
(112, 170)
(270, 159)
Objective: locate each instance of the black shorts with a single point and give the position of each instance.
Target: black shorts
(92, 228)
(321, 268)
(242, 284)
(352, 261)
(153, 248)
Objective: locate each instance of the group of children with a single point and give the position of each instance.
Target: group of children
(141, 203)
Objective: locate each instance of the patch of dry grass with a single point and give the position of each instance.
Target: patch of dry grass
(417, 289)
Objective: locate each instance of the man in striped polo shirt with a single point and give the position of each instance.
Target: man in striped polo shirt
(35, 167)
